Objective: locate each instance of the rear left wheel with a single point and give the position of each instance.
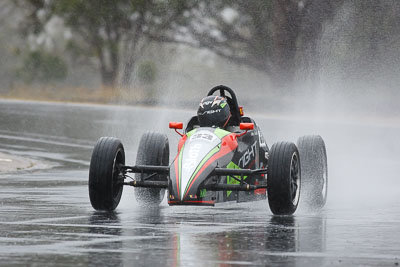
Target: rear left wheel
(153, 150)
(314, 171)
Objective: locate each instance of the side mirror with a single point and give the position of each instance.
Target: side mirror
(246, 126)
(176, 125)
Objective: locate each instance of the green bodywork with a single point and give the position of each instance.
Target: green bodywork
(221, 133)
(231, 180)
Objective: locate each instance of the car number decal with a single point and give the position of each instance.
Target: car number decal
(203, 136)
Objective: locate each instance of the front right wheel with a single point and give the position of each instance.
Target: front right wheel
(105, 174)
(283, 178)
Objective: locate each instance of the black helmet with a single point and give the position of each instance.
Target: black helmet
(213, 111)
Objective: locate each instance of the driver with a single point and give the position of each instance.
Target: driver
(213, 111)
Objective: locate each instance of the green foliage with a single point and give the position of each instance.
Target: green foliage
(147, 72)
(113, 32)
(39, 66)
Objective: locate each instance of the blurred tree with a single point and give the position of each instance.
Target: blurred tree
(372, 51)
(39, 66)
(274, 36)
(114, 32)
(265, 34)
(147, 72)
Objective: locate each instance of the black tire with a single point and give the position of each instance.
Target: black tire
(105, 180)
(283, 178)
(314, 171)
(153, 150)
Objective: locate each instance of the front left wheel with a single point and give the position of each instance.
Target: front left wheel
(153, 150)
(283, 178)
(105, 174)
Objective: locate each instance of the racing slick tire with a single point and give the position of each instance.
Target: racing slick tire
(153, 150)
(283, 178)
(314, 171)
(105, 183)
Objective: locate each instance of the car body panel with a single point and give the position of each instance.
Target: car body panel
(202, 150)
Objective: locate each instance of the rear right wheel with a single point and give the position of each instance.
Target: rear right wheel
(283, 178)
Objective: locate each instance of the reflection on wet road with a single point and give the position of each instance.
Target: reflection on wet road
(46, 217)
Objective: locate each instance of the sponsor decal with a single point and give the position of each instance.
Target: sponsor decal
(191, 160)
(263, 144)
(211, 153)
(205, 103)
(211, 111)
(178, 170)
(217, 101)
(248, 155)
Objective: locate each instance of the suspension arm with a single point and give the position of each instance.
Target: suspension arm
(146, 169)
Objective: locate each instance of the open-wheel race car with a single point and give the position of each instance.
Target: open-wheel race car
(222, 156)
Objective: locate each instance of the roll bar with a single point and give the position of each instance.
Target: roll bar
(232, 101)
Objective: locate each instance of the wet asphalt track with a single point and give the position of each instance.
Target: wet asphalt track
(46, 218)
